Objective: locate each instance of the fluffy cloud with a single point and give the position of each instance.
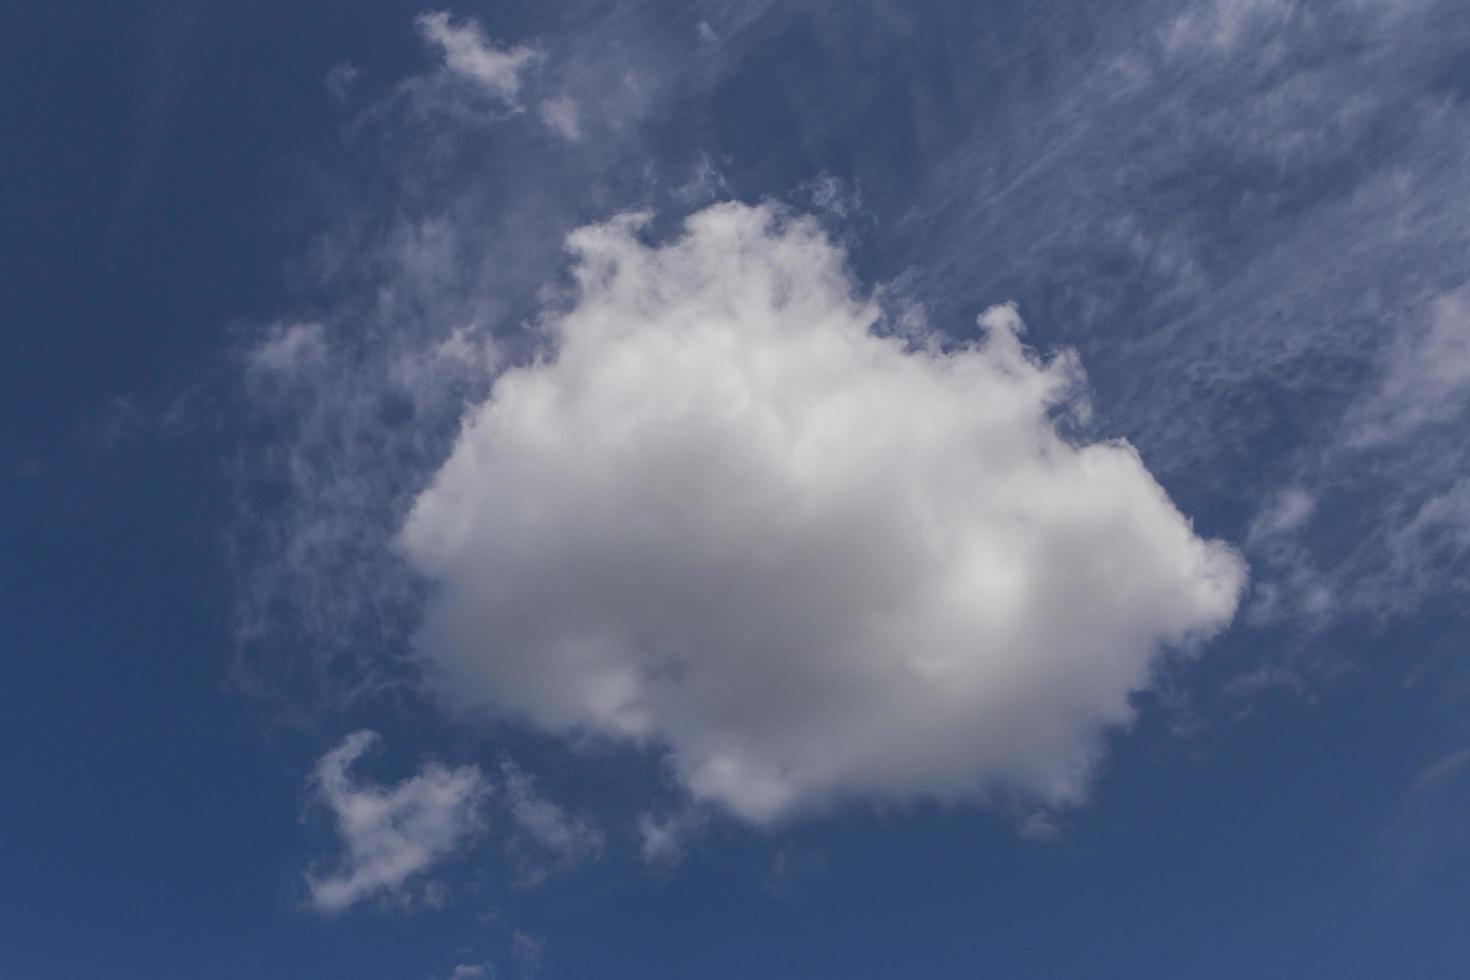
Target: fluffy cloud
(727, 516)
(469, 53)
(390, 836)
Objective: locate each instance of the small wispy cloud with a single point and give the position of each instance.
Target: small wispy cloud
(287, 348)
(561, 115)
(529, 952)
(664, 838)
(390, 836)
(469, 53)
(1222, 24)
(1426, 833)
(548, 839)
(341, 79)
(1427, 379)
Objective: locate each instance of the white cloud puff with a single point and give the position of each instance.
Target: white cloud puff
(727, 516)
(469, 53)
(391, 835)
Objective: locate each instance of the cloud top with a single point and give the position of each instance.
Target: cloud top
(727, 515)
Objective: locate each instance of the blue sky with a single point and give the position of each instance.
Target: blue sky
(728, 489)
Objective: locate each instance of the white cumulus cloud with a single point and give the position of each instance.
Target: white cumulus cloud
(391, 835)
(727, 516)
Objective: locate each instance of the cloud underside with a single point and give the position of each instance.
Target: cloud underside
(729, 516)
